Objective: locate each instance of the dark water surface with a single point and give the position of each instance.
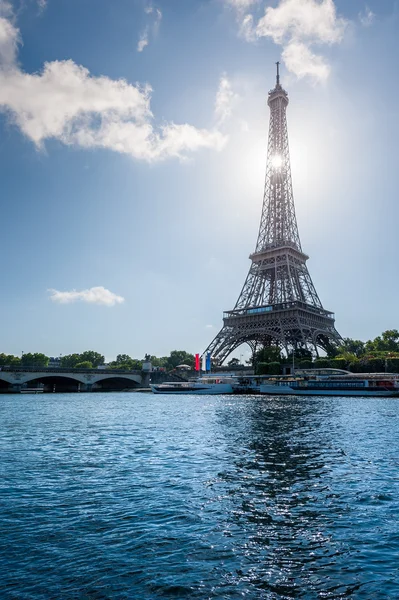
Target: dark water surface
(135, 496)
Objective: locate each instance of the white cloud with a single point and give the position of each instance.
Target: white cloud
(95, 295)
(143, 40)
(65, 102)
(150, 29)
(312, 20)
(225, 100)
(241, 5)
(299, 59)
(247, 29)
(6, 9)
(9, 39)
(42, 4)
(366, 17)
(297, 25)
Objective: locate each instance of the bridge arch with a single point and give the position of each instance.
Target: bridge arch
(4, 384)
(56, 383)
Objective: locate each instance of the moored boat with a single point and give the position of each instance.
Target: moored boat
(340, 383)
(248, 384)
(202, 385)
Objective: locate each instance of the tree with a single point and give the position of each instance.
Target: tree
(354, 347)
(123, 359)
(234, 362)
(159, 362)
(268, 354)
(125, 363)
(9, 360)
(340, 362)
(392, 365)
(180, 357)
(391, 340)
(70, 360)
(388, 341)
(95, 358)
(268, 368)
(37, 359)
(300, 354)
(346, 356)
(321, 363)
(85, 364)
(304, 364)
(370, 364)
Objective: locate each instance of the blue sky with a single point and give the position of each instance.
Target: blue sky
(133, 142)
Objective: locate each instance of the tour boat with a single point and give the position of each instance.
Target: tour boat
(339, 383)
(202, 385)
(248, 384)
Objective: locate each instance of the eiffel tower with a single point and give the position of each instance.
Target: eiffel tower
(278, 303)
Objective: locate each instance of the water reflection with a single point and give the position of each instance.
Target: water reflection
(290, 515)
(132, 496)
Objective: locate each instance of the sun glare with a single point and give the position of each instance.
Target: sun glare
(277, 161)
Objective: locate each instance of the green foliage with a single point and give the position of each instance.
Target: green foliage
(372, 365)
(179, 357)
(234, 362)
(321, 363)
(387, 342)
(159, 362)
(123, 359)
(85, 364)
(9, 359)
(304, 364)
(70, 361)
(346, 357)
(392, 365)
(355, 348)
(95, 358)
(125, 363)
(268, 354)
(36, 359)
(299, 355)
(355, 366)
(340, 362)
(268, 368)
(378, 355)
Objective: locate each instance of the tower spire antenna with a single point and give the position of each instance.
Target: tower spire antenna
(278, 73)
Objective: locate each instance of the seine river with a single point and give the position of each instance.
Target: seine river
(135, 496)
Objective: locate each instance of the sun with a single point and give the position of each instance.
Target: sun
(277, 161)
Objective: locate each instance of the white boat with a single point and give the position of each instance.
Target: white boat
(338, 383)
(202, 385)
(248, 384)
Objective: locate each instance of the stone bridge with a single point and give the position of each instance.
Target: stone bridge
(16, 379)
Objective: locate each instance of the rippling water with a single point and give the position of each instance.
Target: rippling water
(135, 496)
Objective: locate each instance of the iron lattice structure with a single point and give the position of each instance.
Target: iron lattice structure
(278, 303)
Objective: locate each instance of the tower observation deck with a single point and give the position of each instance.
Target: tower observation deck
(278, 303)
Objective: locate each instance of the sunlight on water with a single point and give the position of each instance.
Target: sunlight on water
(137, 496)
